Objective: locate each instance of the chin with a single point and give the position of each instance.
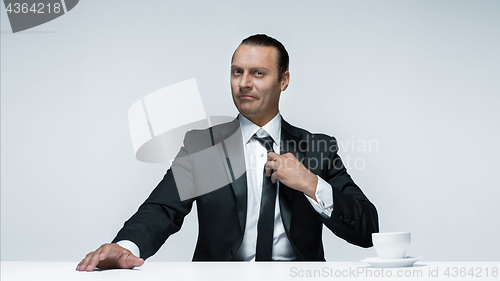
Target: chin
(247, 112)
(244, 107)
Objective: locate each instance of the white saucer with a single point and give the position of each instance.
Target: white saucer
(378, 262)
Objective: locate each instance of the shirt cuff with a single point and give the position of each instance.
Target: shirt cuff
(324, 195)
(131, 246)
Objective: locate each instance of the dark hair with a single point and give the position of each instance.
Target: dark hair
(266, 41)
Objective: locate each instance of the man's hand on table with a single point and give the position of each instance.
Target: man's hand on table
(109, 256)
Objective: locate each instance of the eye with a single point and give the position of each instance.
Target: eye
(236, 72)
(259, 73)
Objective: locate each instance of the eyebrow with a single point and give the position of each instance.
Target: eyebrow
(265, 69)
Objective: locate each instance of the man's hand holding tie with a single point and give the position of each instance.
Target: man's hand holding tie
(287, 169)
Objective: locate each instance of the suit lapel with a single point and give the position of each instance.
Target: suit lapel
(229, 141)
(291, 141)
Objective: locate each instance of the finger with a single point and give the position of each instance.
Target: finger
(128, 260)
(272, 155)
(105, 252)
(83, 264)
(274, 177)
(94, 260)
(270, 168)
(274, 165)
(133, 261)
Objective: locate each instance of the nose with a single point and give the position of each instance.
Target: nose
(245, 81)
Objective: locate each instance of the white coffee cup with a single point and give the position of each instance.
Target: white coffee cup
(391, 245)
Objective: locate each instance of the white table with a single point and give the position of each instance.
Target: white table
(422, 270)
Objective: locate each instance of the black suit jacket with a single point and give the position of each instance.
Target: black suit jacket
(222, 212)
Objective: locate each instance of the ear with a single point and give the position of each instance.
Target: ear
(285, 79)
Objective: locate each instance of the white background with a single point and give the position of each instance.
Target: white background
(418, 78)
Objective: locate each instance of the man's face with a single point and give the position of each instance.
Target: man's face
(254, 82)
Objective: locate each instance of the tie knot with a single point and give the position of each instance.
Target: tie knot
(266, 141)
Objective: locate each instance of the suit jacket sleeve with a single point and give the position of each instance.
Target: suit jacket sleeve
(354, 218)
(160, 216)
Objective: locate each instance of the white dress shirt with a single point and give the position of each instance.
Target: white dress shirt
(255, 160)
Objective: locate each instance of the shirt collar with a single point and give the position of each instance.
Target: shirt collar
(248, 128)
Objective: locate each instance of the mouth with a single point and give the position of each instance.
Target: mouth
(246, 97)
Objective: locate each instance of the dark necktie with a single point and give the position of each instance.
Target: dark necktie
(265, 226)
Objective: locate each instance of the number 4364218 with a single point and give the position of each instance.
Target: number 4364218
(39, 8)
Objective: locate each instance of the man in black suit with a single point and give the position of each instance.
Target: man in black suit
(271, 208)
